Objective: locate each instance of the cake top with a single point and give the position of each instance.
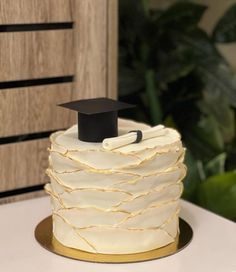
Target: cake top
(68, 140)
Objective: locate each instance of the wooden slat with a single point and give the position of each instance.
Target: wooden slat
(35, 11)
(112, 44)
(27, 55)
(91, 48)
(34, 109)
(10, 199)
(96, 48)
(23, 164)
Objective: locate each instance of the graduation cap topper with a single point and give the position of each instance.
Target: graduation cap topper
(97, 118)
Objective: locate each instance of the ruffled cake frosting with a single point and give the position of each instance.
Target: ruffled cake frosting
(119, 201)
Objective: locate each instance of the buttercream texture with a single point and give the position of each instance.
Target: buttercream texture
(119, 201)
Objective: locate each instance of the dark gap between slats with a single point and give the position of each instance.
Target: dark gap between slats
(35, 27)
(21, 191)
(26, 137)
(35, 82)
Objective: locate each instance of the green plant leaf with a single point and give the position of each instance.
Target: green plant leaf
(204, 139)
(153, 98)
(132, 12)
(216, 165)
(146, 9)
(225, 29)
(132, 27)
(208, 132)
(182, 15)
(218, 194)
(130, 81)
(174, 65)
(215, 104)
(200, 149)
(221, 79)
(192, 178)
(231, 155)
(169, 122)
(209, 63)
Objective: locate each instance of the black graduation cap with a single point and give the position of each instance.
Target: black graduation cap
(97, 118)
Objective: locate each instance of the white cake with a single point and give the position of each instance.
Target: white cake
(121, 201)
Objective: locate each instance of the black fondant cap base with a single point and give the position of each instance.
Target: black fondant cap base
(97, 118)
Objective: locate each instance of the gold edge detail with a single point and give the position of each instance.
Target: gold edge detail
(43, 234)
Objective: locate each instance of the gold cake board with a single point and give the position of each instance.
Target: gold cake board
(44, 235)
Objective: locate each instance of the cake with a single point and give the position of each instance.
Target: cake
(119, 201)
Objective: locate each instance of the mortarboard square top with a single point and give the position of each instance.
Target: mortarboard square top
(96, 105)
(97, 118)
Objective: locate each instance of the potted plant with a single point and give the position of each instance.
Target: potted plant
(172, 69)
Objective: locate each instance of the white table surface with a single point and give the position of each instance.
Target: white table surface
(213, 247)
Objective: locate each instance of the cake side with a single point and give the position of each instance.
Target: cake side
(120, 201)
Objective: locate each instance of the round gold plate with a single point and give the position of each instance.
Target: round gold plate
(44, 235)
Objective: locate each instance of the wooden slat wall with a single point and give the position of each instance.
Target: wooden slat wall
(27, 161)
(88, 51)
(34, 109)
(91, 42)
(36, 54)
(35, 11)
(112, 48)
(96, 42)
